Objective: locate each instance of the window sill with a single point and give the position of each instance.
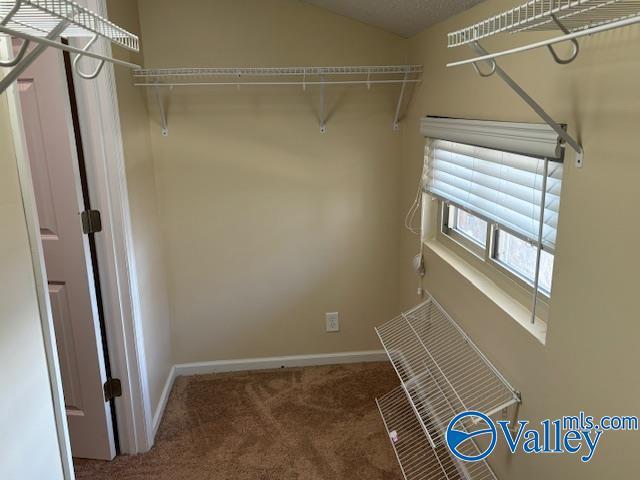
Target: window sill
(498, 296)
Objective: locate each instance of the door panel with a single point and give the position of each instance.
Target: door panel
(40, 174)
(66, 348)
(56, 177)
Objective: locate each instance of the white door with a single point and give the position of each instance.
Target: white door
(50, 141)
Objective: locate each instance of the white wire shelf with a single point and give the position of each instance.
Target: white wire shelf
(285, 75)
(442, 372)
(575, 15)
(402, 75)
(39, 17)
(418, 458)
(41, 23)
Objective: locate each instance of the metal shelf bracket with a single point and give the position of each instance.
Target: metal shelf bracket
(574, 42)
(396, 119)
(321, 112)
(96, 72)
(162, 109)
(562, 133)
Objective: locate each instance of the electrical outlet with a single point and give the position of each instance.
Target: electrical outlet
(333, 321)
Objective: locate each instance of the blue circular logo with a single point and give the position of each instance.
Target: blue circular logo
(457, 438)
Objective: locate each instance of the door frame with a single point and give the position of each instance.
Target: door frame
(106, 174)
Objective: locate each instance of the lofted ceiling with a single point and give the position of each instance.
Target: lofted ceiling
(403, 17)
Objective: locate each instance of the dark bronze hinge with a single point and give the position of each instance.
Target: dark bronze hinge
(91, 221)
(112, 389)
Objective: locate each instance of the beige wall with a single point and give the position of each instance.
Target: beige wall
(143, 201)
(269, 224)
(590, 359)
(28, 440)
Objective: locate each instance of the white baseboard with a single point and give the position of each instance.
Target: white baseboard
(246, 364)
(162, 404)
(218, 366)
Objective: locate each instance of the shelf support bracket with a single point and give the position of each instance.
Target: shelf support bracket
(562, 133)
(574, 42)
(164, 128)
(323, 120)
(396, 119)
(96, 72)
(491, 71)
(25, 43)
(28, 58)
(18, 56)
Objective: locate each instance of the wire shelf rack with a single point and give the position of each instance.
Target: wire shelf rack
(278, 75)
(418, 458)
(434, 357)
(575, 15)
(39, 17)
(442, 374)
(403, 75)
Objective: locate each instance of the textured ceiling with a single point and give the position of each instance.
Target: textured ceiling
(404, 17)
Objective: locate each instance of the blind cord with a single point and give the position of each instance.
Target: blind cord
(409, 223)
(416, 206)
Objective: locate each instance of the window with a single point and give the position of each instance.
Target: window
(466, 229)
(491, 205)
(469, 226)
(509, 253)
(519, 257)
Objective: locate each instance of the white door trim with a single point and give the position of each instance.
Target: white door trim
(105, 163)
(104, 158)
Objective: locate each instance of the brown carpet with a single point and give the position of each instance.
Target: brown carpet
(313, 423)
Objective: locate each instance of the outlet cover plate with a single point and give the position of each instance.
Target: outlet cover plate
(333, 321)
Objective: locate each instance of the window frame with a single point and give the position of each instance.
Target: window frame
(459, 236)
(488, 254)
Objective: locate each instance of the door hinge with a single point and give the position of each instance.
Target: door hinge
(91, 221)
(112, 389)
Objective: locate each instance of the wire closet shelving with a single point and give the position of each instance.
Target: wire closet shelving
(538, 15)
(573, 19)
(442, 373)
(299, 75)
(43, 22)
(303, 77)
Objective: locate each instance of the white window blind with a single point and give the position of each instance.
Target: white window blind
(501, 187)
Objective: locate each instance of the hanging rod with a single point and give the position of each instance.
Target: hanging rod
(42, 22)
(286, 76)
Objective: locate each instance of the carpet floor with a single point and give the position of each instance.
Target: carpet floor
(312, 423)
